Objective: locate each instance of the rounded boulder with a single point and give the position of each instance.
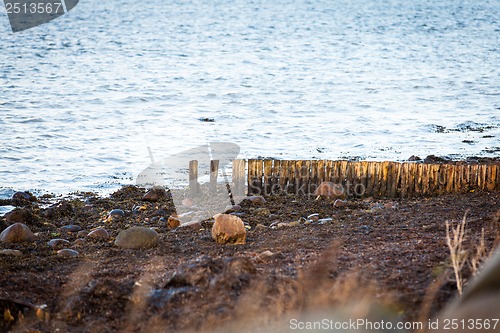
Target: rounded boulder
(17, 233)
(137, 238)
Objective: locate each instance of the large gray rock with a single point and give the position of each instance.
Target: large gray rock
(17, 233)
(137, 238)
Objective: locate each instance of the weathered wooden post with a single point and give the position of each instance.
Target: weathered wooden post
(214, 172)
(194, 186)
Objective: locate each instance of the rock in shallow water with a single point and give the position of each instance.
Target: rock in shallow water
(137, 238)
(228, 229)
(17, 233)
(22, 198)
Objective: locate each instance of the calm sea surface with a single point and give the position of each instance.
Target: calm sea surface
(84, 96)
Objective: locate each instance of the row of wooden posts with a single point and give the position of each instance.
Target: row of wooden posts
(358, 179)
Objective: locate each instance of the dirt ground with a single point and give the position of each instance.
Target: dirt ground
(389, 254)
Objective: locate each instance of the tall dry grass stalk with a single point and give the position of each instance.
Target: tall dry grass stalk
(458, 255)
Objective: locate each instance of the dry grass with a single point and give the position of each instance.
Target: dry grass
(458, 255)
(476, 256)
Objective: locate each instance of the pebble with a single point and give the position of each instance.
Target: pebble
(70, 228)
(260, 226)
(82, 234)
(262, 211)
(16, 233)
(187, 202)
(173, 222)
(57, 242)
(327, 220)
(331, 190)
(19, 215)
(67, 253)
(256, 200)
(228, 229)
(99, 233)
(115, 215)
(79, 242)
(340, 203)
(137, 238)
(232, 208)
(294, 223)
(154, 194)
(192, 224)
(391, 205)
(9, 252)
(313, 217)
(266, 255)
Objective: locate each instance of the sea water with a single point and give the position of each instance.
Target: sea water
(83, 97)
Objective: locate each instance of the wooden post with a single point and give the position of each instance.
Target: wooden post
(425, 179)
(329, 171)
(238, 177)
(194, 186)
(291, 176)
(363, 171)
(393, 179)
(306, 182)
(314, 173)
(492, 173)
(321, 171)
(283, 181)
(275, 188)
(370, 178)
(268, 177)
(298, 177)
(214, 172)
(404, 180)
(253, 184)
(483, 173)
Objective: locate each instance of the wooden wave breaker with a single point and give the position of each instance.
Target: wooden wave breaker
(358, 179)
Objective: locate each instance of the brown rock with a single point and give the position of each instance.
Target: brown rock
(22, 198)
(340, 203)
(20, 215)
(99, 233)
(255, 200)
(232, 208)
(70, 228)
(154, 194)
(137, 238)
(332, 190)
(192, 224)
(173, 222)
(67, 253)
(79, 242)
(82, 234)
(17, 233)
(228, 229)
(313, 217)
(57, 242)
(12, 253)
(187, 202)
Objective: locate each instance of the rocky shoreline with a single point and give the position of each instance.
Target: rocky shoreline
(125, 263)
